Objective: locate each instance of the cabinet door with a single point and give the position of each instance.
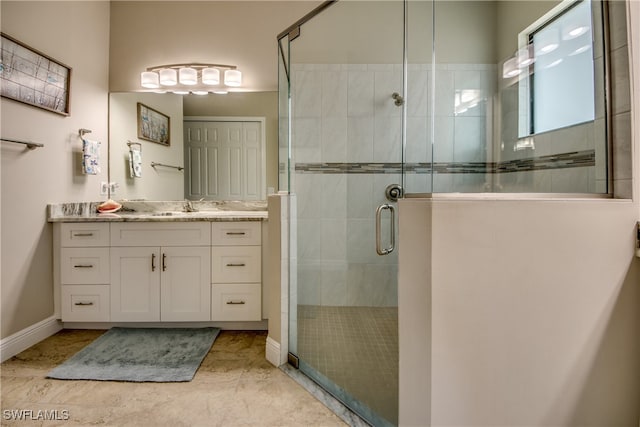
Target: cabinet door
(185, 284)
(135, 284)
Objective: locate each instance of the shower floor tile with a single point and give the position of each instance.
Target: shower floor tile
(356, 348)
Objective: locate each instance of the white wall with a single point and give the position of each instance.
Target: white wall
(534, 310)
(77, 34)
(158, 183)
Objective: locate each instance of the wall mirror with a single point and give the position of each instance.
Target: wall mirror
(224, 160)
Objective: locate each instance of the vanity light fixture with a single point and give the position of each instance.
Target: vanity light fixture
(196, 78)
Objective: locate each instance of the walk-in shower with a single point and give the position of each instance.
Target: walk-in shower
(384, 98)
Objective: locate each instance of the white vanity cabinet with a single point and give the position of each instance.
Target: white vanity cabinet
(160, 271)
(236, 264)
(83, 271)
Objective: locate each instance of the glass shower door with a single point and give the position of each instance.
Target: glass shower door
(346, 79)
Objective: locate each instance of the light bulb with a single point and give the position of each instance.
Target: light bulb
(168, 77)
(210, 76)
(149, 80)
(232, 78)
(188, 76)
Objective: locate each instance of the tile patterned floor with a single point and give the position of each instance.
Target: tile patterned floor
(357, 348)
(235, 386)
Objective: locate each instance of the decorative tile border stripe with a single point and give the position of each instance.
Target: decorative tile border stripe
(574, 159)
(556, 161)
(340, 168)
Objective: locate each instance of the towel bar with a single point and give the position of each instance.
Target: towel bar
(154, 164)
(30, 145)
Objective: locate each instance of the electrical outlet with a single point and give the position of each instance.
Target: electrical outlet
(104, 188)
(113, 186)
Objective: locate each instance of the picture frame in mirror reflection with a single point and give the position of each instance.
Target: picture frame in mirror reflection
(153, 125)
(33, 78)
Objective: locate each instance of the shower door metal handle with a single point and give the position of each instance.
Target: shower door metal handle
(392, 230)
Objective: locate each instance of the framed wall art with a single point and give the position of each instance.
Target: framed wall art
(33, 78)
(153, 125)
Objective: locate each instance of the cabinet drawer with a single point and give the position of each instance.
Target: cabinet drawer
(84, 234)
(84, 266)
(236, 264)
(197, 233)
(236, 302)
(236, 233)
(85, 303)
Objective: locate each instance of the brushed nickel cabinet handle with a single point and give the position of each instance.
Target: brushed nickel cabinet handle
(84, 303)
(82, 234)
(153, 262)
(236, 233)
(237, 265)
(164, 262)
(83, 266)
(235, 303)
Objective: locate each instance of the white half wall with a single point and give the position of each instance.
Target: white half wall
(535, 312)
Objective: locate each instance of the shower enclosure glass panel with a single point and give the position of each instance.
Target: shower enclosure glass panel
(346, 140)
(519, 98)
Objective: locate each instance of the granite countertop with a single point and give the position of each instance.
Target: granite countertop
(159, 211)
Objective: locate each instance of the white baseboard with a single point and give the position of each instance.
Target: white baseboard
(27, 337)
(225, 326)
(272, 352)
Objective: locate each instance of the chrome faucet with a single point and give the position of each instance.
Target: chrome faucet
(188, 206)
